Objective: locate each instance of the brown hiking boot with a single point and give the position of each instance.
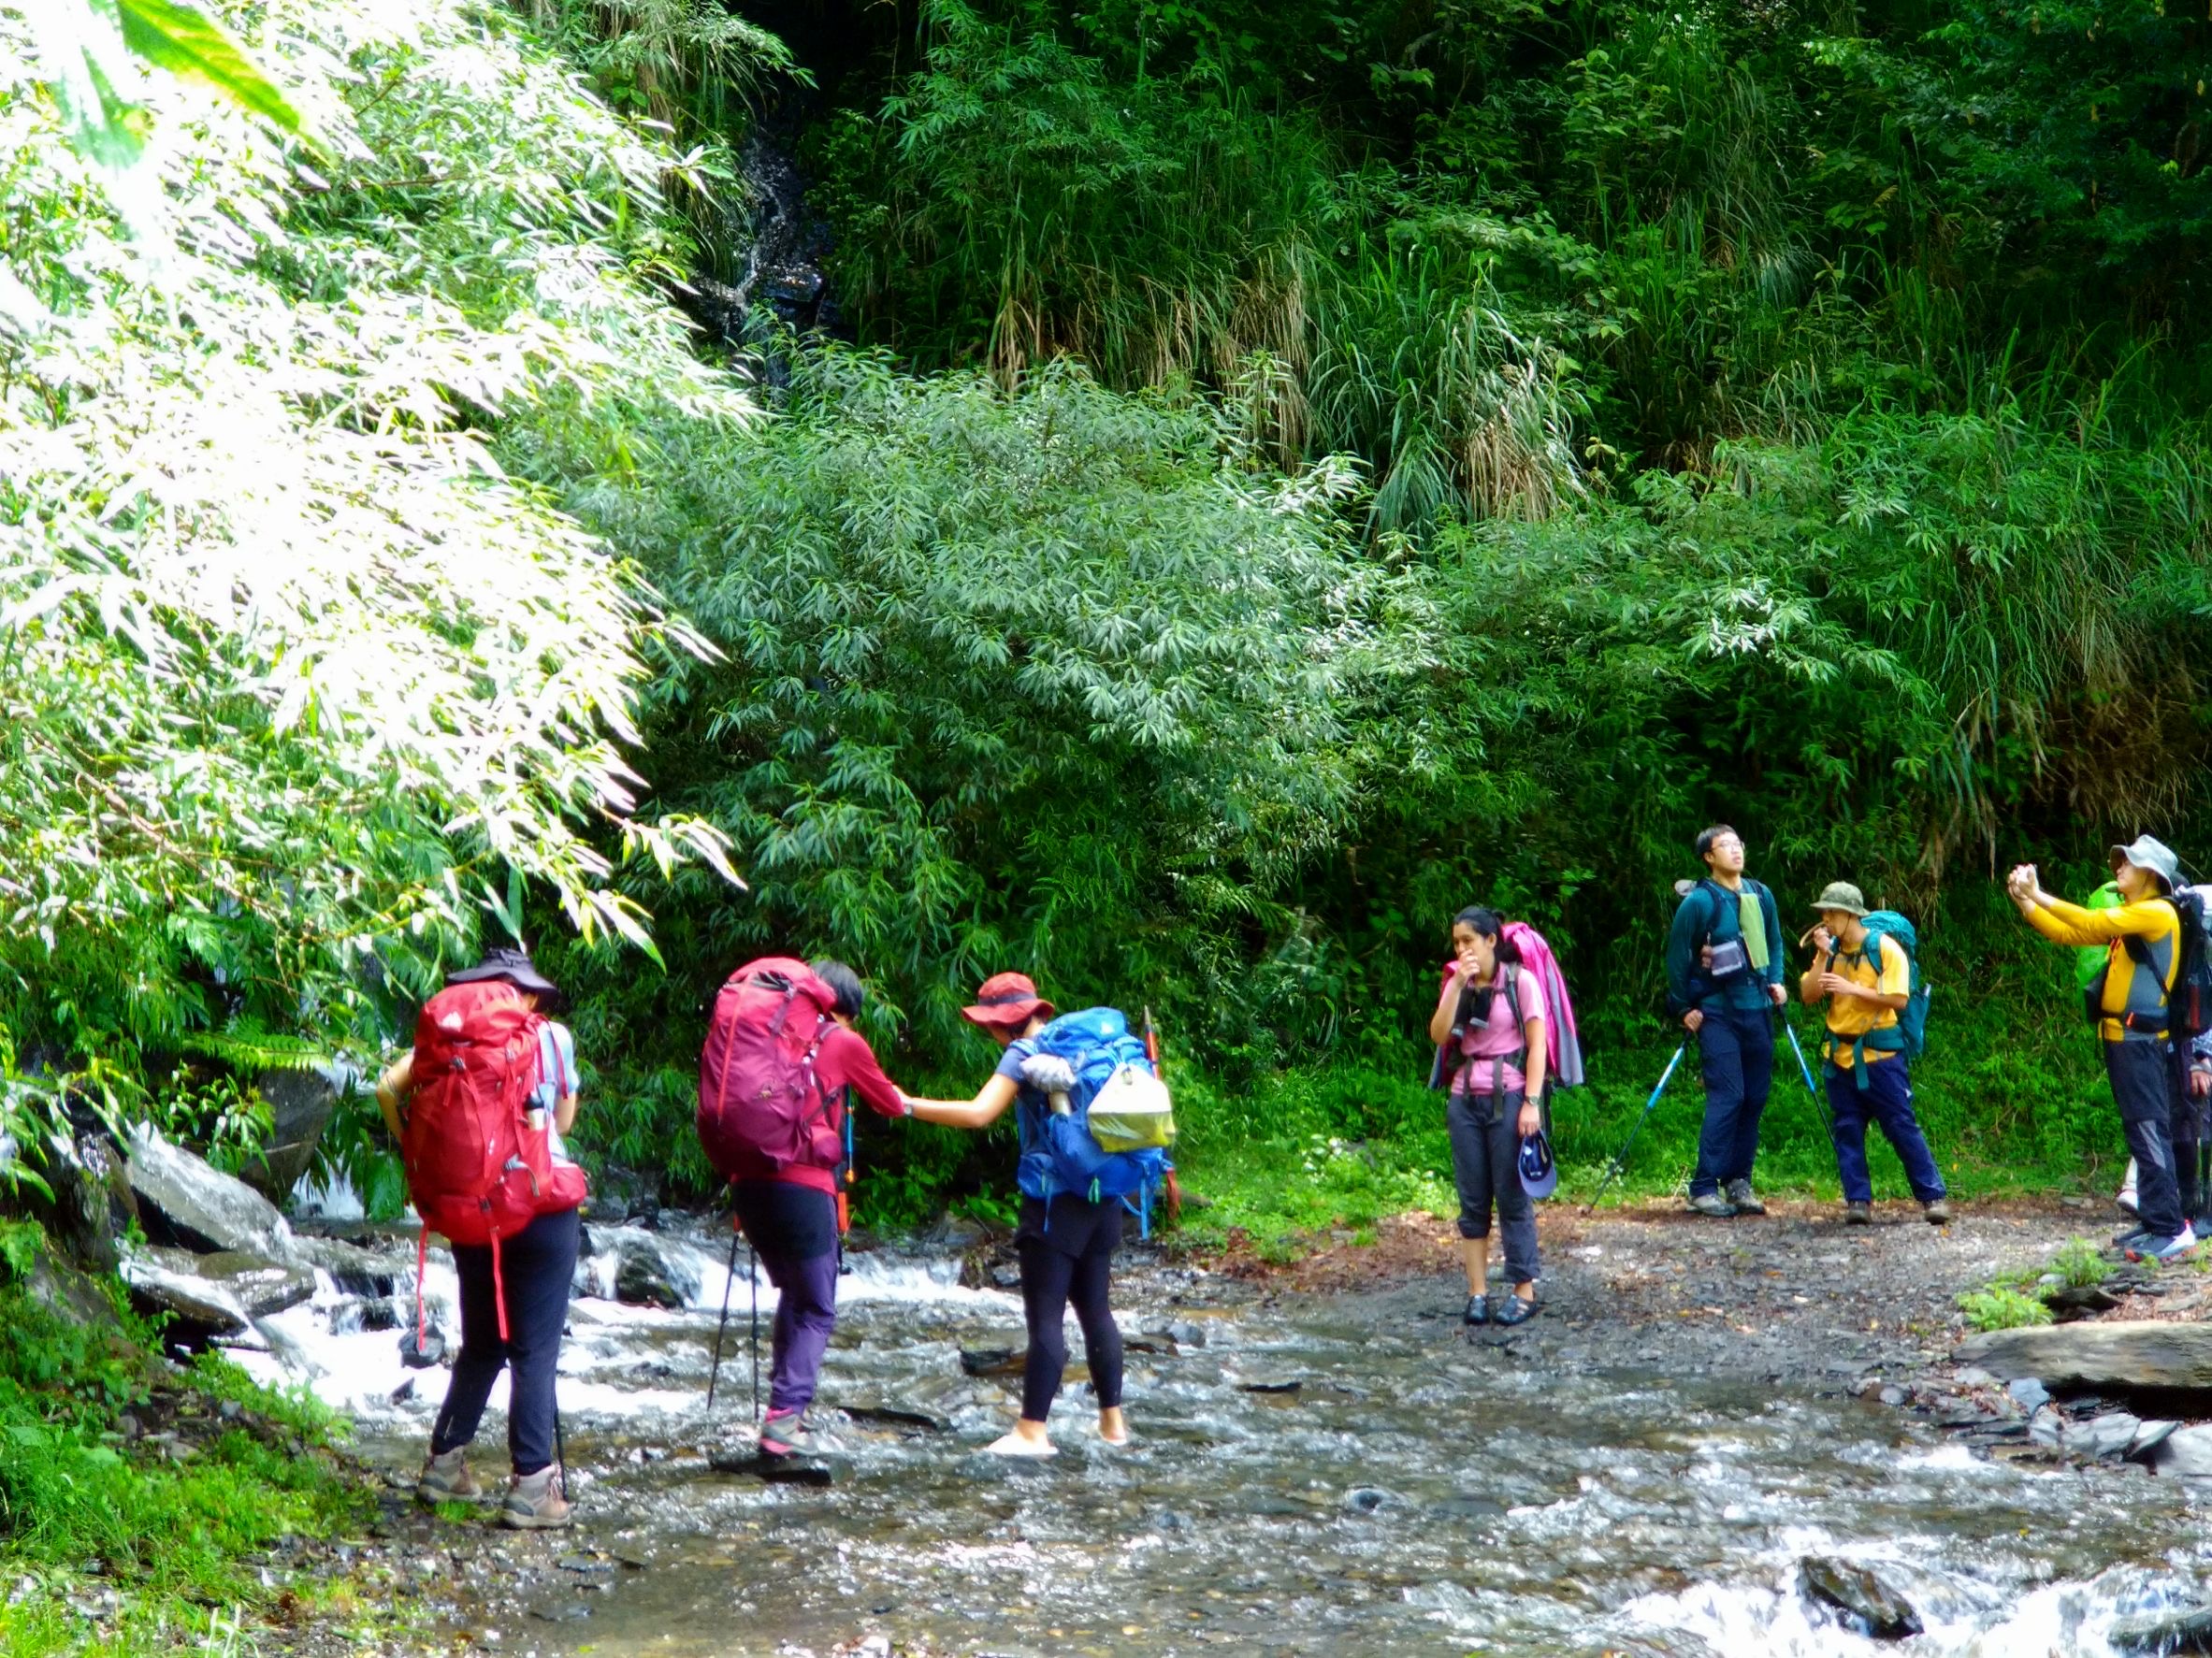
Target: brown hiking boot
(446, 1479)
(534, 1502)
(1859, 1214)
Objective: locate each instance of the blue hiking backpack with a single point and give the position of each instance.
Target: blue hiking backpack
(1912, 1020)
(1059, 1154)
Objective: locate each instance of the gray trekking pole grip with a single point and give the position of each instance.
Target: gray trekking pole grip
(1620, 1159)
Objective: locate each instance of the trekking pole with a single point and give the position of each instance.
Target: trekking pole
(1805, 1070)
(560, 1450)
(722, 1327)
(1620, 1159)
(753, 1280)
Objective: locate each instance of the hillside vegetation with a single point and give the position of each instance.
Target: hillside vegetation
(1286, 474)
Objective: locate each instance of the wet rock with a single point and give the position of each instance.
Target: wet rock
(961, 1232)
(561, 1611)
(646, 1274)
(353, 1270)
(2188, 1630)
(2186, 1453)
(2029, 1393)
(1884, 1614)
(300, 1103)
(1892, 1395)
(212, 1295)
(1973, 1377)
(2046, 1426)
(2078, 1301)
(1367, 1499)
(2108, 1356)
(1287, 1385)
(2149, 1437)
(423, 1351)
(993, 1360)
(621, 1195)
(2106, 1436)
(88, 1205)
(775, 1470)
(1007, 1277)
(894, 1416)
(185, 1204)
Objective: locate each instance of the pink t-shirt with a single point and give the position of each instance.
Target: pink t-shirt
(1493, 1045)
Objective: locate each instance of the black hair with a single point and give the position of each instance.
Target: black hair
(1489, 924)
(845, 982)
(1707, 836)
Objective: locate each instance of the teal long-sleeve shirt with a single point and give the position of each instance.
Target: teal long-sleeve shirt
(1696, 921)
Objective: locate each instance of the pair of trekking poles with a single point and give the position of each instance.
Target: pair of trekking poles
(753, 1279)
(1620, 1161)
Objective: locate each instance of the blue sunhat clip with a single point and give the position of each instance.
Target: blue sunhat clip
(1540, 1174)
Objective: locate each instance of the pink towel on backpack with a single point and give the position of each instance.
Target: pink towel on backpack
(1563, 1045)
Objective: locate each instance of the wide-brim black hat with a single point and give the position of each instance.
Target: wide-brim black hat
(511, 965)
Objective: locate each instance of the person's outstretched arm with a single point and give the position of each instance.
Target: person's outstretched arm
(393, 1089)
(985, 1108)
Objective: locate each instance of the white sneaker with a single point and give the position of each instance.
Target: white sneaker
(2172, 1248)
(2125, 1197)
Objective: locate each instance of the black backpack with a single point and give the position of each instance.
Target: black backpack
(2188, 1009)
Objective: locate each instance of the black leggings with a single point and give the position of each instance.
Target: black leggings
(1049, 1281)
(535, 1265)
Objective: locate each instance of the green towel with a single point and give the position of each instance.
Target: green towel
(1755, 931)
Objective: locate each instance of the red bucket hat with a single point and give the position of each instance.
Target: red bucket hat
(1007, 998)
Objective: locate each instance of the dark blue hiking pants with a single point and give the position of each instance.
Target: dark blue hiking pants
(1886, 1102)
(1736, 1051)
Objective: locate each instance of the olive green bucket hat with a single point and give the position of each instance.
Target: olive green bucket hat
(1841, 895)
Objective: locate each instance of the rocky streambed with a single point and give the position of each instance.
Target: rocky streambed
(1748, 1439)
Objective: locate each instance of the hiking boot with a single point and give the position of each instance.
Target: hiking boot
(446, 1479)
(534, 1503)
(784, 1433)
(1477, 1310)
(1938, 1213)
(1712, 1203)
(2173, 1248)
(1859, 1214)
(1740, 1193)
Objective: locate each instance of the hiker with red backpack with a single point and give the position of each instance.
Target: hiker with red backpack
(1862, 967)
(478, 1106)
(1061, 1075)
(780, 1071)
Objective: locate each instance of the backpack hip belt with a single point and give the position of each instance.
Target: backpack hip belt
(1888, 1039)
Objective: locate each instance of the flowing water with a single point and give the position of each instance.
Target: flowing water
(1322, 1476)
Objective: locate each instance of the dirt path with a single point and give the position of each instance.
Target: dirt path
(1790, 1297)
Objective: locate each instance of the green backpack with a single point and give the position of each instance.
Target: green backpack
(2088, 961)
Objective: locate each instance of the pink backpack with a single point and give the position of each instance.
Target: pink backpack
(759, 1096)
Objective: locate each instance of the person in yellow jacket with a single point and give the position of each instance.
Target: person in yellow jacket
(2142, 939)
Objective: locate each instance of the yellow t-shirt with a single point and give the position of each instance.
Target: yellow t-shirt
(1850, 1018)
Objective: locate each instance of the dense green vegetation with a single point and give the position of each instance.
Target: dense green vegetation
(1300, 469)
(134, 1495)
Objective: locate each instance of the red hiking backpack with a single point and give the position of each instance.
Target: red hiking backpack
(477, 1169)
(759, 1096)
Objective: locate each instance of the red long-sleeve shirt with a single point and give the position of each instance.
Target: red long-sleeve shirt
(844, 1060)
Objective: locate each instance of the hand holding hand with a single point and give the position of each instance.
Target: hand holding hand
(2022, 883)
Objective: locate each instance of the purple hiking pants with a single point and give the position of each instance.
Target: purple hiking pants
(805, 1316)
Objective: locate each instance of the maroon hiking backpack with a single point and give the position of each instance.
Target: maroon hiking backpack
(759, 1096)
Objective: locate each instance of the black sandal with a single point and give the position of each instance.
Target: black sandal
(1518, 1309)
(1477, 1310)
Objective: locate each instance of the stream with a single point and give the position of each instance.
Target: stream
(1336, 1474)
